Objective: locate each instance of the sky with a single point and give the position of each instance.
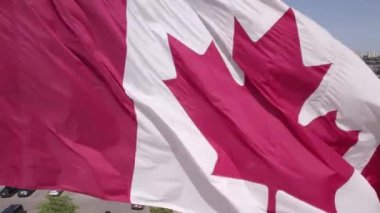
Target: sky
(356, 23)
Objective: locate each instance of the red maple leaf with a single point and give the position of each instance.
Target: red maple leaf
(254, 128)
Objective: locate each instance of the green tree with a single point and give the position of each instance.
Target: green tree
(59, 204)
(159, 210)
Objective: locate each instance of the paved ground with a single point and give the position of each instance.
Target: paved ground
(86, 204)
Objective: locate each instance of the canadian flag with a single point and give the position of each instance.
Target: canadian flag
(194, 105)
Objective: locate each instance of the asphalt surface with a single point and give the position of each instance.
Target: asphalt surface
(85, 203)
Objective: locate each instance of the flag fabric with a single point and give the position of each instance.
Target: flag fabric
(193, 105)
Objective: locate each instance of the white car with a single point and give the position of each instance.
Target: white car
(55, 193)
(25, 192)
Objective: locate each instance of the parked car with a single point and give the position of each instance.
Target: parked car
(55, 193)
(14, 208)
(137, 207)
(25, 192)
(8, 192)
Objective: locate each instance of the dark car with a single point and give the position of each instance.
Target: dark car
(8, 192)
(15, 208)
(137, 207)
(25, 192)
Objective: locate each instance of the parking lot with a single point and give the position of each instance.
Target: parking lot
(85, 203)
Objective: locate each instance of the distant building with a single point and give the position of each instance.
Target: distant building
(370, 54)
